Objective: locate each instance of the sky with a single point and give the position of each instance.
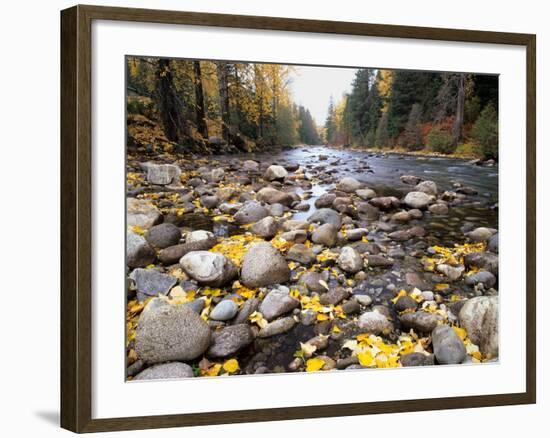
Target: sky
(313, 86)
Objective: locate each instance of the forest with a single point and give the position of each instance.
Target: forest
(223, 107)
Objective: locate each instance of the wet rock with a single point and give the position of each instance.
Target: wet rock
(418, 200)
(415, 213)
(171, 333)
(276, 210)
(171, 370)
(314, 281)
(292, 225)
(325, 200)
(366, 194)
(428, 187)
(230, 340)
(401, 217)
(448, 347)
(275, 172)
(413, 279)
(141, 213)
(369, 211)
(266, 227)
(375, 323)
(163, 235)
(410, 179)
(405, 303)
(162, 174)
(150, 283)
(277, 327)
(482, 260)
(364, 300)
(487, 279)
(385, 202)
(453, 273)
(334, 296)
(251, 166)
(479, 316)
(348, 185)
(480, 234)
(173, 254)
(356, 234)
(420, 322)
(379, 261)
(417, 359)
(251, 211)
(277, 303)
(247, 309)
(301, 253)
(350, 260)
(208, 268)
(402, 235)
(492, 245)
(138, 252)
(269, 195)
(224, 310)
(325, 234)
(438, 208)
(263, 265)
(297, 236)
(302, 206)
(326, 216)
(199, 236)
(396, 253)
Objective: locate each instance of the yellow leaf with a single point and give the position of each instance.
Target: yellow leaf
(441, 286)
(212, 371)
(461, 333)
(231, 365)
(322, 317)
(365, 358)
(402, 293)
(314, 364)
(336, 329)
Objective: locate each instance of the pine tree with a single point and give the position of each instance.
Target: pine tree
(412, 135)
(330, 127)
(382, 138)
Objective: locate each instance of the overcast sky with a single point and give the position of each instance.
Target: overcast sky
(313, 86)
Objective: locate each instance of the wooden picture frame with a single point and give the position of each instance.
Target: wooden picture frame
(76, 218)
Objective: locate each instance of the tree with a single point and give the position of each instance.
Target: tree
(364, 105)
(169, 105)
(223, 89)
(202, 127)
(412, 135)
(485, 131)
(440, 141)
(307, 129)
(382, 138)
(330, 126)
(459, 116)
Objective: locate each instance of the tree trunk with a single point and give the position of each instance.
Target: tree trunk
(199, 101)
(459, 117)
(223, 87)
(169, 105)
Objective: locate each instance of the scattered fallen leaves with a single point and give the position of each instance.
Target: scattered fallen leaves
(314, 364)
(231, 365)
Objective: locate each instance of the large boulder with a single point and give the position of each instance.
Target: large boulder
(418, 199)
(277, 303)
(163, 235)
(269, 195)
(141, 213)
(170, 370)
(326, 216)
(448, 347)
(263, 265)
(162, 174)
(479, 316)
(350, 260)
(171, 333)
(151, 283)
(208, 268)
(138, 252)
(251, 211)
(230, 340)
(348, 185)
(275, 172)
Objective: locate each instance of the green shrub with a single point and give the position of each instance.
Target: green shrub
(440, 141)
(485, 132)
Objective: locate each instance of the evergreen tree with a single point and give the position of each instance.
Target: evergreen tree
(485, 131)
(330, 126)
(412, 135)
(382, 138)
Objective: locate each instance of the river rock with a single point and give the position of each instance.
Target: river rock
(170, 370)
(301, 253)
(428, 187)
(479, 316)
(141, 213)
(251, 166)
(162, 174)
(418, 199)
(163, 235)
(482, 260)
(275, 172)
(379, 261)
(208, 268)
(251, 211)
(138, 252)
(325, 200)
(293, 224)
(410, 179)
(326, 216)
(453, 273)
(277, 327)
(364, 300)
(356, 234)
(350, 260)
(420, 322)
(370, 212)
(173, 254)
(417, 359)
(150, 283)
(365, 194)
(224, 310)
(215, 175)
(314, 281)
(296, 236)
(492, 245)
(484, 277)
(269, 195)
(375, 323)
(247, 309)
(348, 185)
(385, 202)
(277, 302)
(402, 235)
(401, 217)
(266, 227)
(210, 201)
(480, 234)
(171, 333)
(325, 234)
(263, 265)
(334, 296)
(405, 303)
(230, 340)
(448, 347)
(438, 208)
(199, 236)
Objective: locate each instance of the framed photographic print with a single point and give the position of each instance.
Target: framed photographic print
(314, 218)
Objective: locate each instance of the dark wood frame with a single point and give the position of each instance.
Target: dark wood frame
(76, 200)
